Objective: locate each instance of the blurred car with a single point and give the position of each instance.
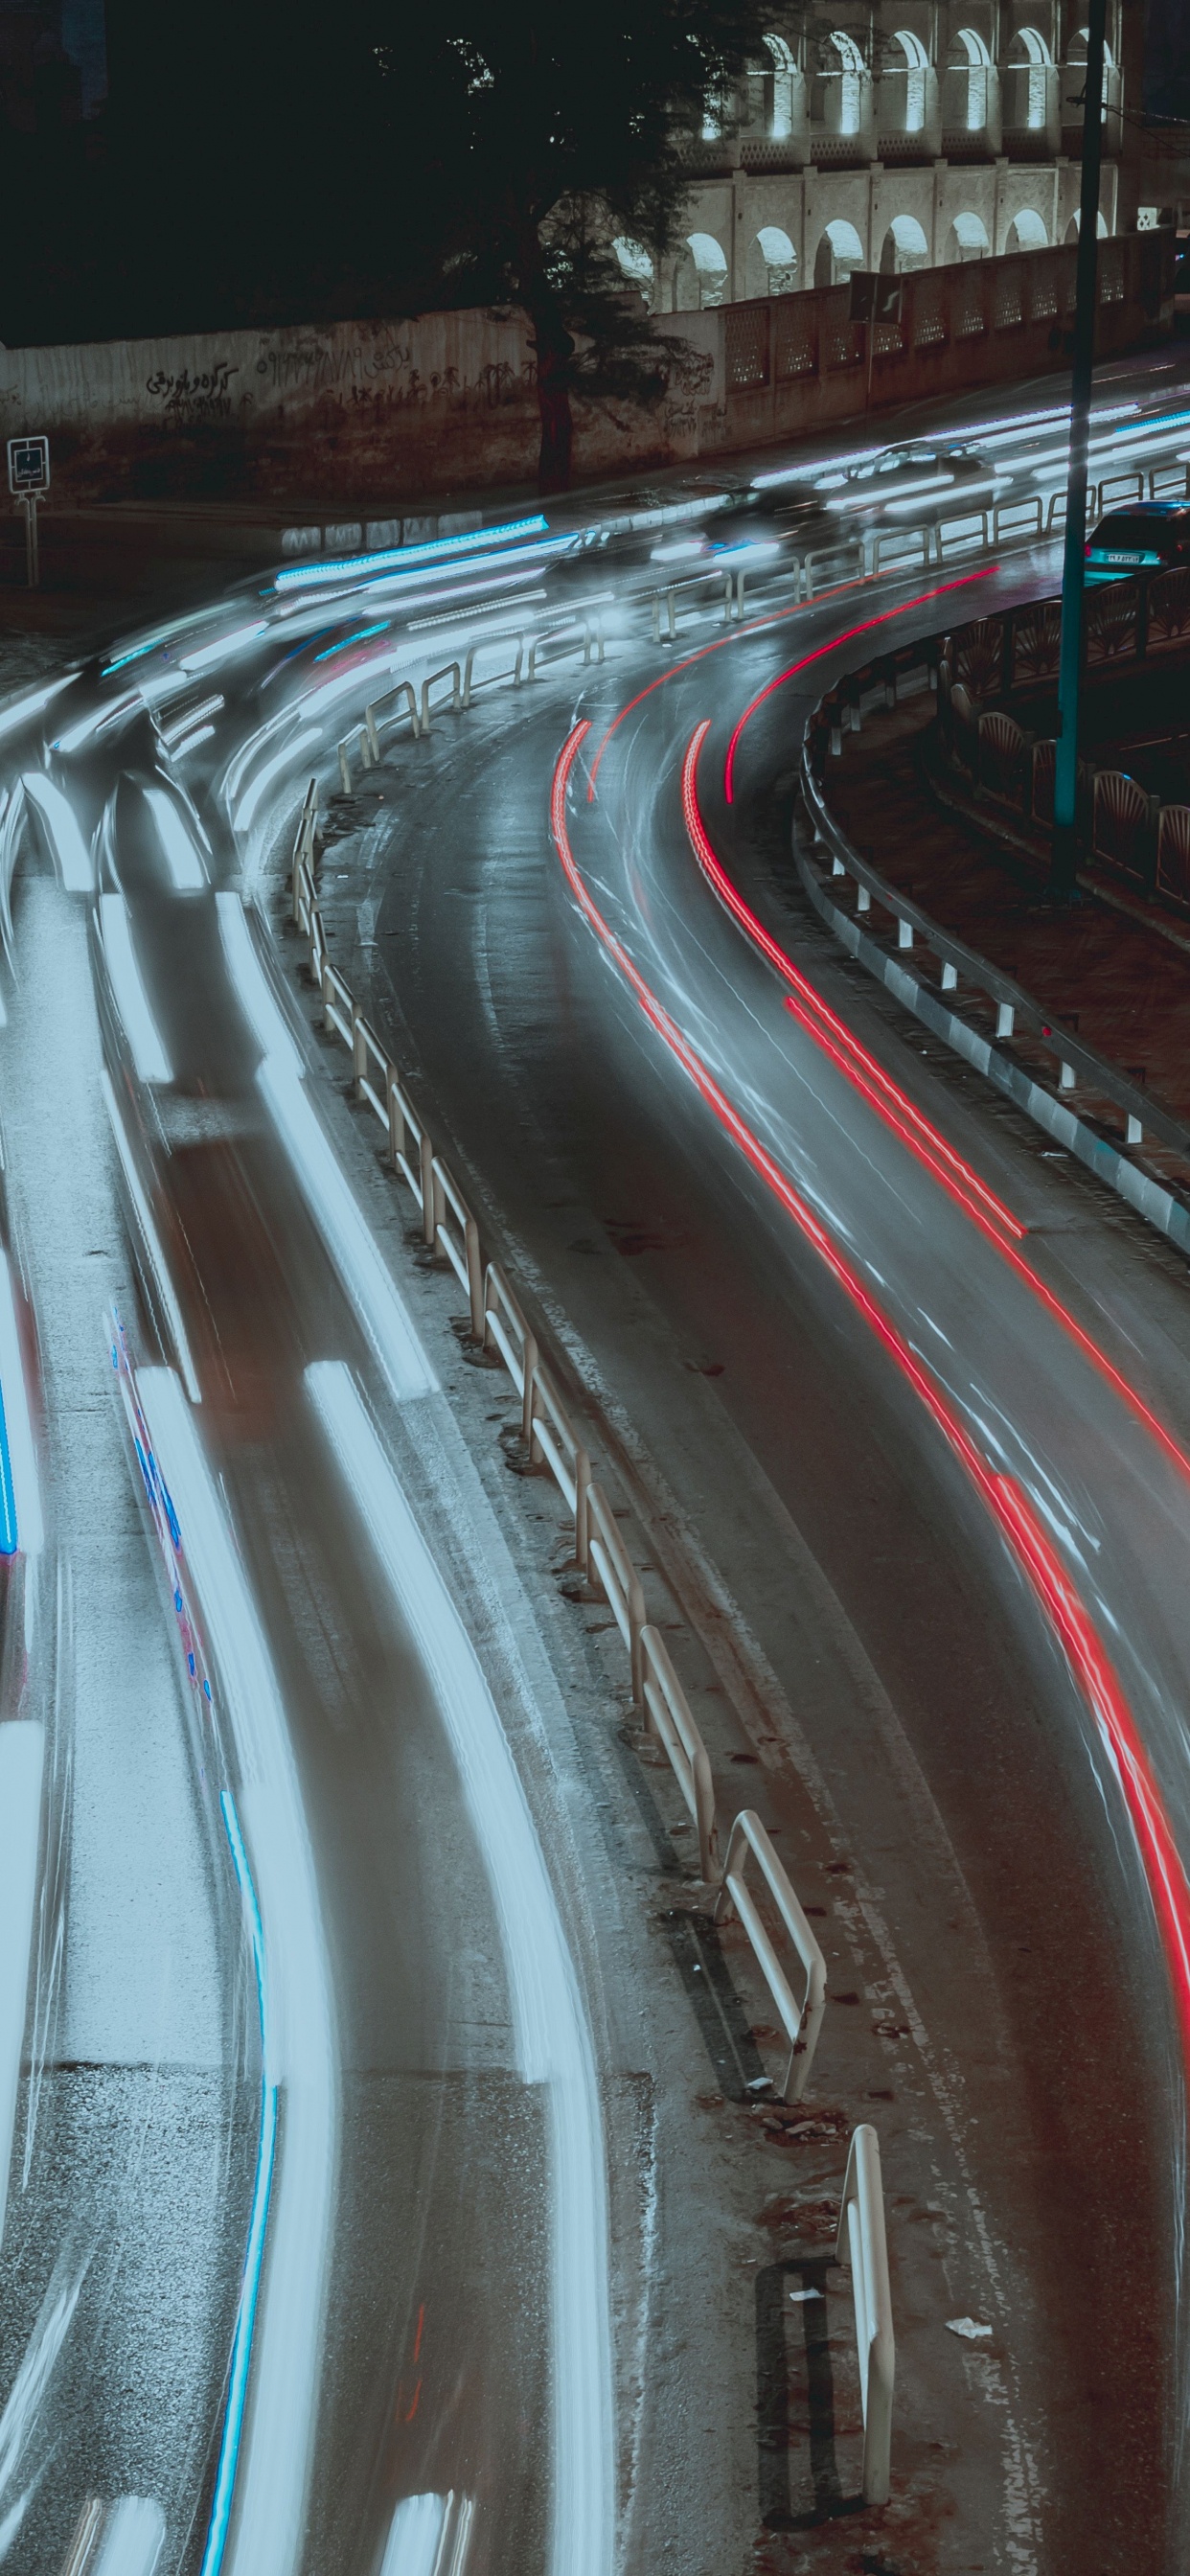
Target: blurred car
(899, 485)
(1151, 536)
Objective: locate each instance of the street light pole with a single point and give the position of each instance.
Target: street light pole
(1070, 667)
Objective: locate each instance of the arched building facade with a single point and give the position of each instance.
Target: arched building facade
(906, 134)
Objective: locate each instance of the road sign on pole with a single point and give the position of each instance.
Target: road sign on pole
(28, 477)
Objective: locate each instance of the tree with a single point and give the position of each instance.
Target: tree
(547, 133)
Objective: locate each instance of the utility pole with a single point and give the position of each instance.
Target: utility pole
(1070, 669)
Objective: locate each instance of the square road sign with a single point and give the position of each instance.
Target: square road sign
(28, 464)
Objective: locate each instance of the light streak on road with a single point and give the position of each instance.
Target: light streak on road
(866, 1075)
(128, 991)
(262, 2186)
(435, 549)
(205, 657)
(187, 873)
(21, 711)
(27, 2395)
(269, 2504)
(272, 769)
(18, 1455)
(166, 1293)
(255, 994)
(427, 2537)
(554, 2047)
(68, 848)
(1009, 1505)
(348, 1239)
(22, 1758)
(132, 2540)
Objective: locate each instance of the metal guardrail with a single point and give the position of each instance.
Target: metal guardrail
(863, 2244)
(497, 1329)
(403, 700)
(1015, 1007)
(802, 2022)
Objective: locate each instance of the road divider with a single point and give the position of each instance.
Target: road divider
(801, 2022)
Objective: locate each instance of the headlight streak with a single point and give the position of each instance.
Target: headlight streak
(268, 2507)
(553, 2040)
(172, 735)
(100, 721)
(420, 2540)
(255, 995)
(21, 711)
(463, 616)
(867, 1075)
(187, 873)
(20, 1485)
(224, 647)
(262, 2186)
(22, 1756)
(189, 742)
(436, 549)
(162, 1280)
(241, 761)
(128, 991)
(288, 753)
(132, 2539)
(362, 635)
(70, 851)
(1006, 1500)
(349, 1241)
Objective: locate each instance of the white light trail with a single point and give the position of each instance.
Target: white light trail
(223, 648)
(182, 859)
(18, 1422)
(348, 1239)
(268, 2512)
(553, 2039)
(435, 549)
(71, 855)
(255, 995)
(166, 1292)
(189, 742)
(128, 991)
(101, 720)
(461, 616)
(272, 769)
(22, 1753)
(21, 711)
(133, 2539)
(239, 766)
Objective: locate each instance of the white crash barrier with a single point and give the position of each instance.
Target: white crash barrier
(392, 706)
(668, 1719)
(862, 2244)
(801, 2022)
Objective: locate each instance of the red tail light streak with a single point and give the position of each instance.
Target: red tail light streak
(867, 1076)
(1006, 1500)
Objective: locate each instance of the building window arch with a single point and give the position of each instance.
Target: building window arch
(905, 246)
(916, 70)
(850, 77)
(967, 238)
(1027, 231)
(839, 251)
(777, 259)
(969, 65)
(784, 76)
(710, 265)
(1030, 53)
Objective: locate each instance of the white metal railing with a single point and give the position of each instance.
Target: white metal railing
(885, 539)
(1120, 487)
(403, 700)
(1020, 519)
(862, 2244)
(670, 1724)
(801, 2022)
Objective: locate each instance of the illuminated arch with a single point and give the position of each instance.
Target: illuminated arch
(1030, 51)
(917, 64)
(1074, 226)
(784, 77)
(776, 260)
(967, 239)
(839, 251)
(851, 74)
(905, 246)
(969, 57)
(710, 262)
(1027, 231)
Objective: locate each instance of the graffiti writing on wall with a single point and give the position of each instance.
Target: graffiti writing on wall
(185, 399)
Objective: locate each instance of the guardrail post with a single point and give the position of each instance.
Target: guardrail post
(373, 736)
(862, 2243)
(1066, 1077)
(582, 1531)
(950, 976)
(863, 899)
(528, 1373)
(396, 1118)
(425, 705)
(344, 769)
(904, 932)
(359, 1050)
(474, 1279)
(802, 2022)
(426, 1176)
(1005, 1016)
